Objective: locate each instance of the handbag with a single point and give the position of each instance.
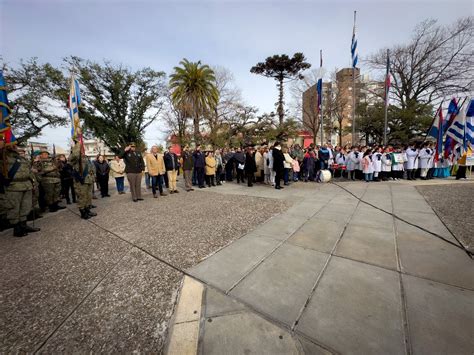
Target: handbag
(241, 166)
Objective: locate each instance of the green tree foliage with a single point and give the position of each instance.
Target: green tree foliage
(118, 103)
(404, 124)
(193, 91)
(281, 68)
(38, 96)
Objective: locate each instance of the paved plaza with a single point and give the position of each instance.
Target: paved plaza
(311, 269)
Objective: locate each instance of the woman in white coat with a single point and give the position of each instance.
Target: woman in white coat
(412, 161)
(386, 164)
(425, 157)
(377, 163)
(353, 162)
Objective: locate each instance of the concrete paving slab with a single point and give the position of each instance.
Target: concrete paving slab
(425, 255)
(428, 221)
(440, 317)
(280, 227)
(218, 304)
(356, 309)
(281, 285)
(368, 216)
(411, 205)
(190, 300)
(245, 333)
(371, 245)
(318, 234)
(332, 213)
(227, 266)
(188, 335)
(305, 209)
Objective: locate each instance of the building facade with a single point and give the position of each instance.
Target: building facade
(338, 102)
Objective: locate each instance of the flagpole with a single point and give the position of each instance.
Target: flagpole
(353, 94)
(387, 89)
(321, 109)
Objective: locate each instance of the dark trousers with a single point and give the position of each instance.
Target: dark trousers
(66, 186)
(229, 169)
(167, 184)
(461, 173)
(119, 181)
(210, 180)
(103, 181)
(157, 182)
(250, 179)
(240, 175)
(219, 175)
(278, 177)
(286, 176)
(200, 176)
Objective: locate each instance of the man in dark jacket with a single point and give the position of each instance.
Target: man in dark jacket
(278, 166)
(239, 158)
(134, 166)
(229, 165)
(188, 165)
(250, 166)
(172, 167)
(199, 165)
(102, 170)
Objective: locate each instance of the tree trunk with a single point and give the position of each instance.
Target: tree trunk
(197, 134)
(280, 102)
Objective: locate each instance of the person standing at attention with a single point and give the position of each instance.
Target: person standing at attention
(156, 169)
(187, 162)
(250, 166)
(134, 167)
(199, 165)
(278, 167)
(210, 169)
(102, 170)
(117, 168)
(172, 167)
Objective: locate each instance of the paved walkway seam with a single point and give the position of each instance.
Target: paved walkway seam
(459, 245)
(331, 254)
(406, 327)
(266, 256)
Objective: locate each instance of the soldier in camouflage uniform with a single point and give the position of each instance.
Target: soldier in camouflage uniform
(83, 181)
(37, 190)
(16, 186)
(50, 181)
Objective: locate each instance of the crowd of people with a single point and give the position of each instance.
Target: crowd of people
(31, 186)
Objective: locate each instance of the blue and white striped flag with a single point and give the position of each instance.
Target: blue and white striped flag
(354, 54)
(73, 105)
(470, 124)
(456, 130)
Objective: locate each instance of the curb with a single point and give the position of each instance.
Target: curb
(184, 329)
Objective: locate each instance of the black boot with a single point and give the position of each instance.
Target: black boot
(91, 206)
(18, 230)
(53, 208)
(84, 214)
(90, 213)
(29, 229)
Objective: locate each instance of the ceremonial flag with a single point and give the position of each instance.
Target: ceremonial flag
(319, 88)
(5, 110)
(387, 79)
(453, 111)
(470, 124)
(354, 54)
(436, 131)
(456, 130)
(73, 104)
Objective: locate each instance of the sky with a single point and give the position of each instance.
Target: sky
(232, 34)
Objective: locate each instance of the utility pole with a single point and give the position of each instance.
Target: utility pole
(387, 89)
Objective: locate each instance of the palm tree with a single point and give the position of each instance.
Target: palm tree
(193, 89)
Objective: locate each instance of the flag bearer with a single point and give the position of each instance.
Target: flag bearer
(83, 175)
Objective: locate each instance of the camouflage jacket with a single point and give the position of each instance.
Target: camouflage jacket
(20, 177)
(79, 161)
(48, 171)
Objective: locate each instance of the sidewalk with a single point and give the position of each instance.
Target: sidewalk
(335, 275)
